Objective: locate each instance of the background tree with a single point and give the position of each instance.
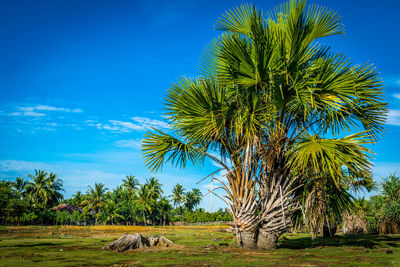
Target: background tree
(111, 211)
(95, 199)
(56, 186)
(383, 212)
(130, 183)
(44, 189)
(143, 201)
(19, 185)
(77, 199)
(178, 194)
(165, 208)
(192, 199)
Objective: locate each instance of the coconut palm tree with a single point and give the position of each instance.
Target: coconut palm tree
(280, 108)
(95, 199)
(39, 189)
(19, 185)
(56, 186)
(154, 187)
(197, 196)
(130, 183)
(164, 209)
(154, 191)
(77, 198)
(178, 194)
(112, 210)
(144, 201)
(192, 199)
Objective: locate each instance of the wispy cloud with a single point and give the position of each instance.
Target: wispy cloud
(33, 117)
(393, 117)
(51, 108)
(147, 122)
(27, 113)
(40, 110)
(397, 96)
(122, 126)
(18, 165)
(131, 143)
(136, 124)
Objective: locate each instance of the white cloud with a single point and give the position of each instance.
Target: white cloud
(131, 143)
(393, 117)
(18, 165)
(49, 108)
(138, 124)
(28, 113)
(397, 96)
(147, 122)
(122, 126)
(39, 110)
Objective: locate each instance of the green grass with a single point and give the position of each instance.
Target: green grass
(198, 246)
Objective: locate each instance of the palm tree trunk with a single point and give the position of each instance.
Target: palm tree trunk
(277, 206)
(144, 219)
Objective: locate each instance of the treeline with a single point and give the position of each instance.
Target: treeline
(39, 200)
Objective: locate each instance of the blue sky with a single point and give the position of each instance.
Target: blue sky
(81, 81)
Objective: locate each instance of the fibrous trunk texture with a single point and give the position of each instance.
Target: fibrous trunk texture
(247, 240)
(267, 240)
(127, 242)
(354, 224)
(277, 207)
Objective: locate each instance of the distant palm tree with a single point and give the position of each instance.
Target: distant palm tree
(112, 211)
(178, 193)
(20, 185)
(192, 199)
(164, 209)
(56, 186)
(143, 201)
(95, 199)
(154, 187)
(77, 198)
(130, 183)
(197, 196)
(39, 190)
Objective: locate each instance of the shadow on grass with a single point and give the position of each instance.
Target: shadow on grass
(367, 241)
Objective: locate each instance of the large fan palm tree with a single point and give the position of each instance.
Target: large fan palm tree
(279, 107)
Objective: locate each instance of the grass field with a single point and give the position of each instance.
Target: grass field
(196, 245)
